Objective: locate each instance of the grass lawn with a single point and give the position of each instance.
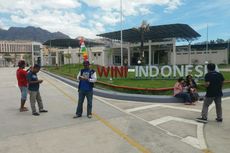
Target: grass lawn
(71, 71)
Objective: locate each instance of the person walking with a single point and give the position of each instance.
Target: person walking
(213, 83)
(34, 84)
(22, 84)
(86, 77)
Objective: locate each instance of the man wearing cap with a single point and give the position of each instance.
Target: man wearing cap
(86, 78)
(22, 84)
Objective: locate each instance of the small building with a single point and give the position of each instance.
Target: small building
(199, 54)
(13, 51)
(67, 51)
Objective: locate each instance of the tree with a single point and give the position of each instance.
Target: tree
(144, 27)
(219, 41)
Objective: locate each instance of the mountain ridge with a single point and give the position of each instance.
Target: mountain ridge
(30, 33)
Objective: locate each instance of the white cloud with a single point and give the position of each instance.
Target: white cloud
(63, 16)
(110, 18)
(53, 21)
(132, 7)
(30, 5)
(110, 10)
(52, 15)
(2, 25)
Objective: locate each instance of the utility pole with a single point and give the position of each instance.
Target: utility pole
(206, 51)
(121, 32)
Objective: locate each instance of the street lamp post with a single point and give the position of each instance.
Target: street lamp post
(206, 50)
(121, 33)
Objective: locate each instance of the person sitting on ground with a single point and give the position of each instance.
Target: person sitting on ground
(192, 88)
(180, 93)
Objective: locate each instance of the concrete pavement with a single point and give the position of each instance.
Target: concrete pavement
(117, 126)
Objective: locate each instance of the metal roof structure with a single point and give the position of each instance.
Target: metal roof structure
(178, 31)
(219, 46)
(65, 43)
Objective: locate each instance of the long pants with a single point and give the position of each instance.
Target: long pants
(185, 96)
(89, 97)
(35, 96)
(208, 101)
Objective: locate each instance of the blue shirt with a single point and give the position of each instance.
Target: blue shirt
(85, 85)
(32, 77)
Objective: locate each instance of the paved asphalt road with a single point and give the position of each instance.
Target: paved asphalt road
(116, 127)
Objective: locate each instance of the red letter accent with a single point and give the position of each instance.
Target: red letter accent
(112, 72)
(104, 70)
(119, 71)
(126, 71)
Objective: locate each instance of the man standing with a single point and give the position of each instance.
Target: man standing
(87, 78)
(22, 84)
(213, 82)
(34, 92)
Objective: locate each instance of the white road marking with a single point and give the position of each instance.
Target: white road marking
(160, 105)
(173, 107)
(200, 135)
(192, 141)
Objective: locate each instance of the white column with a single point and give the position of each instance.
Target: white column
(174, 51)
(57, 58)
(153, 56)
(129, 54)
(103, 57)
(189, 53)
(111, 58)
(49, 58)
(150, 48)
(32, 47)
(41, 56)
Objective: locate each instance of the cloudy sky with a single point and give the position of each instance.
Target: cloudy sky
(90, 17)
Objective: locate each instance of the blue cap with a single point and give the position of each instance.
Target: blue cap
(86, 63)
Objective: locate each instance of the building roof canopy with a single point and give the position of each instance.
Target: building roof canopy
(179, 31)
(65, 43)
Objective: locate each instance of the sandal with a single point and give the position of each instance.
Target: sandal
(24, 109)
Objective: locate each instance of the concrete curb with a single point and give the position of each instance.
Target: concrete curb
(129, 97)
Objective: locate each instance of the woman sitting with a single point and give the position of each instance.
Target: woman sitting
(181, 92)
(192, 88)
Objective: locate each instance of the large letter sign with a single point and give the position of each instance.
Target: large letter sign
(175, 71)
(153, 71)
(114, 71)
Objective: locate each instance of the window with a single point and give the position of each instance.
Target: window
(117, 59)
